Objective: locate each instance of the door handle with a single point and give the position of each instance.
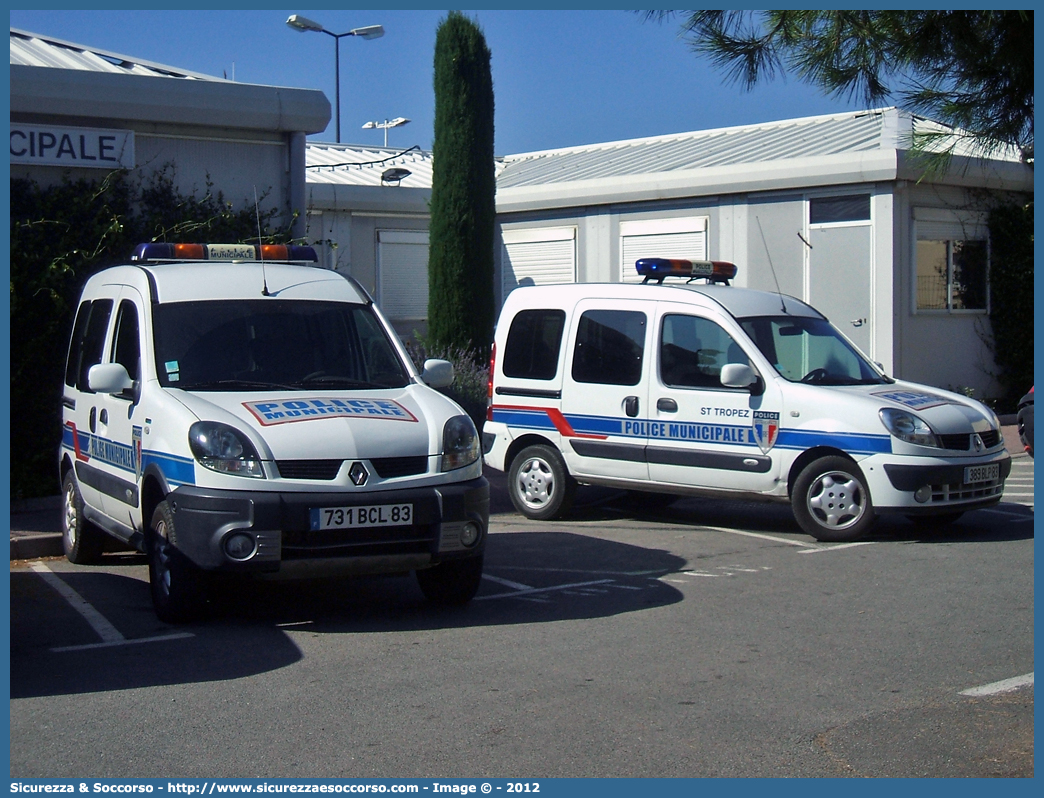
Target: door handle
(104, 418)
(631, 406)
(93, 419)
(667, 405)
(858, 322)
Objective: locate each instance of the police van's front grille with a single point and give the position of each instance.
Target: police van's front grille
(962, 442)
(309, 469)
(388, 467)
(967, 492)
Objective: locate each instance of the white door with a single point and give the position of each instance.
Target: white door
(605, 390)
(703, 434)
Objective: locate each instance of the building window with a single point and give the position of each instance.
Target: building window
(848, 208)
(952, 274)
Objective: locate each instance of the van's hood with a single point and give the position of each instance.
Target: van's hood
(330, 424)
(947, 413)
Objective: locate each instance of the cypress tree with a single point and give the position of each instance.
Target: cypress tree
(460, 259)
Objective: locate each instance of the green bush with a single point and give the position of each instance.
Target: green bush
(470, 385)
(1011, 299)
(60, 236)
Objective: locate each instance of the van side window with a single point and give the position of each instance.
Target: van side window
(693, 350)
(126, 347)
(533, 342)
(609, 347)
(88, 343)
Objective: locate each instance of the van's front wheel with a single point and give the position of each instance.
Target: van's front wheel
(831, 501)
(539, 483)
(178, 586)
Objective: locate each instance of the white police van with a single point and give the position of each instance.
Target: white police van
(712, 390)
(234, 408)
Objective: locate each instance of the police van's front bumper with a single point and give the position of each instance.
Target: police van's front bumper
(206, 520)
(926, 486)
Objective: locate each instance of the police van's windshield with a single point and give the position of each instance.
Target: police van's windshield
(232, 345)
(804, 349)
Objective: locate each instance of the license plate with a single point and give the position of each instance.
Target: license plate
(982, 473)
(362, 517)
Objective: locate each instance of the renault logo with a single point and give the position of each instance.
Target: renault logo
(358, 474)
(978, 442)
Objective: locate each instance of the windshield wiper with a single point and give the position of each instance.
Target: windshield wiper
(339, 382)
(220, 385)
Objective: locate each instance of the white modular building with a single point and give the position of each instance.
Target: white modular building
(831, 209)
(78, 111)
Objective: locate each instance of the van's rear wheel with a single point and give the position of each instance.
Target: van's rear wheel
(83, 541)
(831, 501)
(179, 593)
(539, 483)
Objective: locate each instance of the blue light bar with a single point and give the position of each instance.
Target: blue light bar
(716, 271)
(224, 252)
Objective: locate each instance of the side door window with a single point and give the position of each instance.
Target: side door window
(126, 345)
(533, 344)
(609, 347)
(88, 341)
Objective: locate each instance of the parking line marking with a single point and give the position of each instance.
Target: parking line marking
(1003, 686)
(1010, 514)
(532, 590)
(507, 582)
(109, 634)
(99, 623)
(761, 535)
(123, 642)
(839, 546)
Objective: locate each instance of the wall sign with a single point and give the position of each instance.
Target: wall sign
(45, 145)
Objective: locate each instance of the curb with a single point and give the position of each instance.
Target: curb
(33, 547)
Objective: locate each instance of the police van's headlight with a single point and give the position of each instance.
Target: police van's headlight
(908, 427)
(222, 448)
(460, 443)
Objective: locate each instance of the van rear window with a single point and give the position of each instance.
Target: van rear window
(533, 343)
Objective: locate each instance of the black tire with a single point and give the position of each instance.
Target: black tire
(451, 583)
(83, 541)
(831, 501)
(539, 483)
(179, 589)
(943, 519)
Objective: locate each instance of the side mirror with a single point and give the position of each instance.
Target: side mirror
(109, 378)
(740, 375)
(437, 373)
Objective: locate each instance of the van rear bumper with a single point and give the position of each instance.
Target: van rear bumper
(280, 526)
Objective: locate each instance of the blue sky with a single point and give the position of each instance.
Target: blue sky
(561, 78)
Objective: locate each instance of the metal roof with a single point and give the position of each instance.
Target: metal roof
(32, 49)
(355, 165)
(791, 139)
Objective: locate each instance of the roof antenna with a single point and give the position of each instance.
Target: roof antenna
(769, 254)
(260, 249)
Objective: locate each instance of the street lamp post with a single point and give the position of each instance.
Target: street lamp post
(303, 25)
(387, 123)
